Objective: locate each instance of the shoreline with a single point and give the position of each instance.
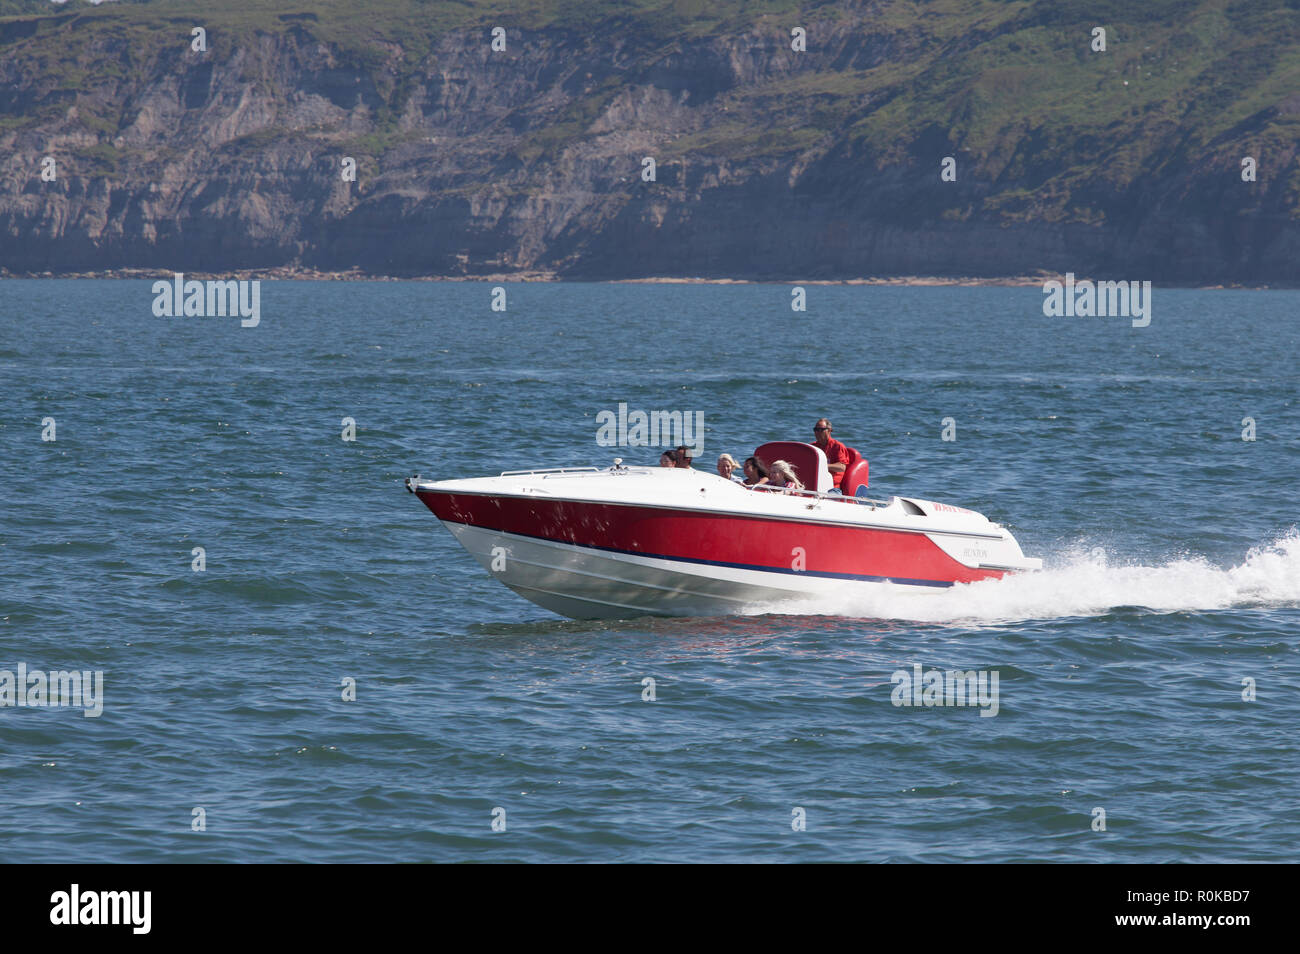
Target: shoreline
(289, 273)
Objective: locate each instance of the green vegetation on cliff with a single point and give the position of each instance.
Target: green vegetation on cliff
(532, 156)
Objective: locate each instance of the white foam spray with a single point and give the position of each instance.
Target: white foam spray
(1083, 582)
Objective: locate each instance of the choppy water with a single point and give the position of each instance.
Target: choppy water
(1115, 453)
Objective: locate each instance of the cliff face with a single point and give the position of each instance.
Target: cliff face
(770, 163)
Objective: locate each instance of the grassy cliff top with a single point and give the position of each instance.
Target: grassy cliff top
(1045, 129)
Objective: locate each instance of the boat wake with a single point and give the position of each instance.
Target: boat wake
(1086, 582)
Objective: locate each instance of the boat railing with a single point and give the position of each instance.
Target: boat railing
(545, 472)
(871, 502)
(549, 471)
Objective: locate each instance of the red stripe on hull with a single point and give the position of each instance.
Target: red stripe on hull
(710, 537)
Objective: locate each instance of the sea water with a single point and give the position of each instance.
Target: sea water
(300, 664)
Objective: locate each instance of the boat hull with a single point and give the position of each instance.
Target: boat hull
(585, 583)
(593, 559)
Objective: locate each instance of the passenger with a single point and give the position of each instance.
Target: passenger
(782, 474)
(666, 459)
(727, 467)
(755, 472)
(683, 456)
(837, 455)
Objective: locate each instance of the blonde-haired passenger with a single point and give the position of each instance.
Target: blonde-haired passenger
(727, 467)
(781, 474)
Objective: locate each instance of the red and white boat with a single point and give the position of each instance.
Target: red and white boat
(592, 543)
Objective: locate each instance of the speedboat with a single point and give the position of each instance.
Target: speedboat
(621, 541)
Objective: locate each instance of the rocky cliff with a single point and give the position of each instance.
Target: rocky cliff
(769, 162)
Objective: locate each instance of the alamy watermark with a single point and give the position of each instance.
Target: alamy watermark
(75, 906)
(951, 687)
(36, 688)
(178, 297)
(1088, 299)
(626, 428)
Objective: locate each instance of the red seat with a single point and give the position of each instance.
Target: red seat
(855, 474)
(859, 474)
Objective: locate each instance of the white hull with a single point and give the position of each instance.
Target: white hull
(584, 583)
